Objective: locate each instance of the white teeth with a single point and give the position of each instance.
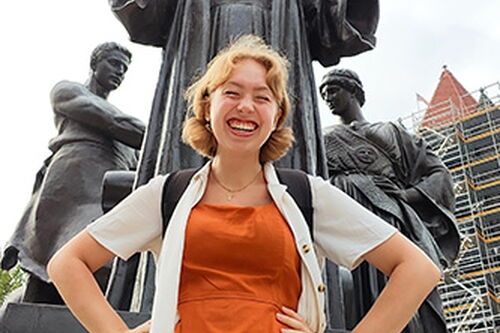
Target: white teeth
(242, 126)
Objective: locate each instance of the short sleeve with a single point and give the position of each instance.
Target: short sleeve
(135, 224)
(344, 230)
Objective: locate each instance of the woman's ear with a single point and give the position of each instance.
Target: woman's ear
(279, 113)
(206, 111)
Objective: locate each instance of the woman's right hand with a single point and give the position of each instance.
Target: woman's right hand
(143, 328)
(293, 320)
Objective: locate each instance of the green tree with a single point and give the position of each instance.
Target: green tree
(11, 280)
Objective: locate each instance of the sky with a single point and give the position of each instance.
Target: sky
(44, 42)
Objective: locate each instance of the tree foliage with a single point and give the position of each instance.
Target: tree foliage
(10, 280)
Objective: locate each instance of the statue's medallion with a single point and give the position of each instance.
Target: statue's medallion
(365, 154)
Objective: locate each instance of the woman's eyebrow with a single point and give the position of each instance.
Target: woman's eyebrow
(232, 83)
(262, 88)
(238, 85)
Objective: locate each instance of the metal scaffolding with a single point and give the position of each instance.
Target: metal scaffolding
(467, 138)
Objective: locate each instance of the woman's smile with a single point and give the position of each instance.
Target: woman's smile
(242, 127)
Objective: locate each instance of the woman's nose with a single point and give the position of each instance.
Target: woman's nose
(246, 105)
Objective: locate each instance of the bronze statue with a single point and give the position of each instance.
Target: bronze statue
(395, 175)
(191, 32)
(93, 137)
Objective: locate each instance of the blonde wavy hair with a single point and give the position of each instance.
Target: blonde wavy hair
(195, 132)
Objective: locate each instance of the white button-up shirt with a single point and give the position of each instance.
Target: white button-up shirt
(343, 232)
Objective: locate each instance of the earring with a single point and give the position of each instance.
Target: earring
(208, 126)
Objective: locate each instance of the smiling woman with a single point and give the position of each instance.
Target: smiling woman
(237, 254)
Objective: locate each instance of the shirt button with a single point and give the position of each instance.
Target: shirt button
(306, 248)
(321, 288)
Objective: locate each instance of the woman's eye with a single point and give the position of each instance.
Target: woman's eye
(264, 98)
(230, 92)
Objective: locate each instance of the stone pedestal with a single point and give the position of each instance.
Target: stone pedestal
(45, 318)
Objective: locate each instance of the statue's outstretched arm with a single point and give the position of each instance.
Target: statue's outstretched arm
(74, 101)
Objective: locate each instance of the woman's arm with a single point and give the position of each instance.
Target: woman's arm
(412, 276)
(71, 271)
(134, 225)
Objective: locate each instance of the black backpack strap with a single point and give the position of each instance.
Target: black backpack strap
(173, 188)
(299, 188)
(297, 182)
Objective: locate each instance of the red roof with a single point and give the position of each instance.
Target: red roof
(449, 102)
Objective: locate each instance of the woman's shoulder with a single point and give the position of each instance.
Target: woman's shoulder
(328, 197)
(153, 188)
(321, 184)
(156, 181)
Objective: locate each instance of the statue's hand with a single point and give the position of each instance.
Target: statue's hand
(385, 184)
(408, 195)
(411, 195)
(127, 130)
(130, 124)
(10, 257)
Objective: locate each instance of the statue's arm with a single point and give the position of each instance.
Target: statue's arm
(338, 28)
(426, 172)
(146, 21)
(436, 180)
(434, 201)
(75, 102)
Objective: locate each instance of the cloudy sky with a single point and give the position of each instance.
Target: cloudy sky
(47, 41)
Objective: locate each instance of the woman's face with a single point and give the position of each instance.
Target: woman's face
(243, 110)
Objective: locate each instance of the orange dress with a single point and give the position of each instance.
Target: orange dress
(240, 265)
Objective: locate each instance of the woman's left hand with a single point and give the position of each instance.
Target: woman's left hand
(293, 320)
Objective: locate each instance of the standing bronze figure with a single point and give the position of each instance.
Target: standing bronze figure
(93, 137)
(395, 175)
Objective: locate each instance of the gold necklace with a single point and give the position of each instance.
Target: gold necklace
(230, 192)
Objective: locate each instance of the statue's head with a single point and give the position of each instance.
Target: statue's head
(338, 85)
(197, 131)
(109, 63)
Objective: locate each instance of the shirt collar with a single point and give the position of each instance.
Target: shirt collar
(275, 187)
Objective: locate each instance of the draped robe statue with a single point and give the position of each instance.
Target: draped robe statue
(396, 176)
(192, 31)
